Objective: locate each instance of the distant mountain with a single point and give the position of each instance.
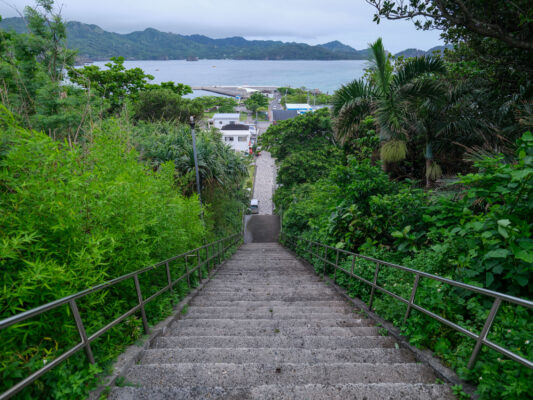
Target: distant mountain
(407, 53)
(94, 43)
(417, 52)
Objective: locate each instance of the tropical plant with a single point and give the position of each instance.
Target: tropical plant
(256, 101)
(165, 104)
(393, 96)
(115, 84)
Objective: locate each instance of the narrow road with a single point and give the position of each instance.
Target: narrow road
(266, 327)
(265, 180)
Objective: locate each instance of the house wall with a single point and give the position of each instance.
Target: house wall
(236, 144)
(219, 123)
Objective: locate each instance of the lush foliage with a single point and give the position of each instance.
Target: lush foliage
(481, 236)
(256, 101)
(302, 95)
(222, 171)
(96, 180)
(72, 218)
(221, 104)
(164, 104)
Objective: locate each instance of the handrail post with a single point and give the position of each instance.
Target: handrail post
(373, 287)
(187, 271)
(169, 280)
(81, 330)
(484, 332)
(336, 267)
(141, 302)
(199, 266)
(325, 258)
(206, 259)
(411, 298)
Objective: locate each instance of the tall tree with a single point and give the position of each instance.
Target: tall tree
(390, 95)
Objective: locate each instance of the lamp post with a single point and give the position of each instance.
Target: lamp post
(192, 124)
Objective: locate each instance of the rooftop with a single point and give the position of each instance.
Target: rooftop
(282, 115)
(226, 116)
(298, 106)
(235, 127)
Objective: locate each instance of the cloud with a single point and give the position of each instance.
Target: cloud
(310, 21)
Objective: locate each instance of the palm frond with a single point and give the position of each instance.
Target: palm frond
(356, 89)
(416, 67)
(434, 171)
(393, 151)
(381, 66)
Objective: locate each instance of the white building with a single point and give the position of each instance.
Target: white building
(221, 119)
(300, 108)
(237, 136)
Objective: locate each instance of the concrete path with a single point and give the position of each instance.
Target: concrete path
(265, 179)
(266, 327)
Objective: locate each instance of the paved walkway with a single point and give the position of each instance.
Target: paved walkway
(265, 180)
(266, 327)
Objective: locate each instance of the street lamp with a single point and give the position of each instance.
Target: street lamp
(192, 123)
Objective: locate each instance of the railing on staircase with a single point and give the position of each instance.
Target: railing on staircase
(214, 255)
(314, 248)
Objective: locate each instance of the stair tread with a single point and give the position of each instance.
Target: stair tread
(355, 391)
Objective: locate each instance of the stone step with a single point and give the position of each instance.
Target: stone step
(262, 308)
(268, 315)
(290, 332)
(209, 302)
(264, 296)
(297, 291)
(251, 374)
(275, 355)
(278, 341)
(278, 286)
(343, 391)
(269, 323)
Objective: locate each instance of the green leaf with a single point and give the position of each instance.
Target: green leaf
(504, 222)
(503, 232)
(499, 253)
(489, 278)
(525, 255)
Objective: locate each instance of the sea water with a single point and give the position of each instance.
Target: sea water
(327, 76)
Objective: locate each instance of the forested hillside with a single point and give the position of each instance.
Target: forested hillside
(94, 43)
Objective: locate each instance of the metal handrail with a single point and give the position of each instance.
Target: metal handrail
(220, 246)
(481, 339)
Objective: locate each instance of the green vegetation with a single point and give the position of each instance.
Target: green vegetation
(221, 104)
(428, 162)
(96, 180)
(256, 102)
(302, 96)
(94, 43)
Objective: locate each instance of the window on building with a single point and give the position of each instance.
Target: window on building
(228, 138)
(243, 139)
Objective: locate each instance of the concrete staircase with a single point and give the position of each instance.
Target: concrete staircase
(266, 327)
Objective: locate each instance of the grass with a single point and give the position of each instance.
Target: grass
(249, 184)
(243, 117)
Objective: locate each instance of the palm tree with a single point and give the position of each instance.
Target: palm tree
(392, 97)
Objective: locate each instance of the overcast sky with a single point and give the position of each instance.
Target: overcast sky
(308, 21)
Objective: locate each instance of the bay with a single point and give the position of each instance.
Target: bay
(327, 76)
